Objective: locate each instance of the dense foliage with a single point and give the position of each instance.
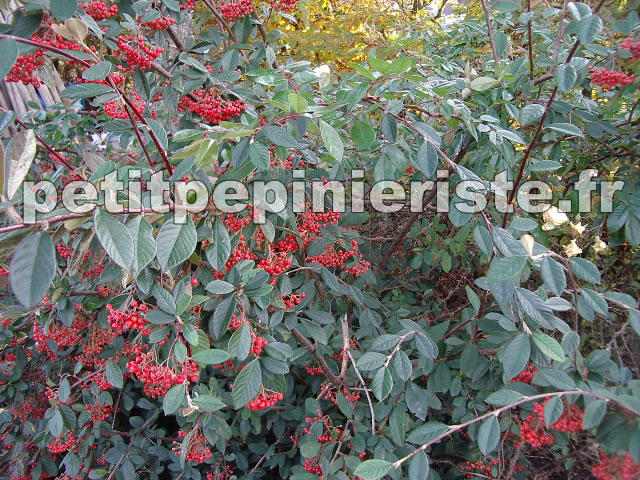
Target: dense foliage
(188, 342)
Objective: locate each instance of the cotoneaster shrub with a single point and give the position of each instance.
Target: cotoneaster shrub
(335, 344)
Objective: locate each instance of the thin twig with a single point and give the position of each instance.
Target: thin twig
(490, 30)
(345, 340)
(556, 47)
(366, 392)
(321, 361)
(530, 40)
(456, 428)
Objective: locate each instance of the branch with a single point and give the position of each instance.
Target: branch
(556, 47)
(366, 392)
(71, 216)
(321, 361)
(530, 41)
(221, 19)
(263, 34)
(407, 226)
(490, 29)
(345, 340)
(456, 428)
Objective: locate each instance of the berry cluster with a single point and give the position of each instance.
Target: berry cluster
(133, 320)
(64, 251)
(526, 376)
(211, 106)
(633, 47)
(24, 69)
(159, 379)
(616, 467)
(161, 23)
(313, 370)
(242, 252)
(291, 301)
(284, 5)
(338, 258)
(137, 52)
(483, 469)
(275, 264)
(225, 473)
(234, 9)
(188, 5)
(533, 432)
(197, 451)
(99, 412)
(257, 344)
(62, 443)
(99, 10)
(265, 400)
(311, 465)
(610, 79)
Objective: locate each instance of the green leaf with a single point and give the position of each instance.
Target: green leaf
(363, 135)
(144, 245)
(634, 320)
(211, 356)
(402, 365)
(298, 104)
(382, 383)
(331, 140)
(553, 275)
(427, 159)
(55, 425)
(176, 243)
(240, 342)
(19, 157)
(585, 270)
(553, 411)
(208, 403)
(9, 49)
(114, 374)
(115, 238)
(506, 268)
(98, 72)
(419, 467)
(219, 287)
(548, 346)
(85, 90)
(516, 356)
(164, 299)
(389, 128)
(370, 361)
(63, 9)
(259, 155)
(279, 136)
(489, 435)
(221, 317)
(158, 317)
(531, 113)
(589, 28)
(373, 469)
(427, 432)
(565, 76)
(504, 397)
(173, 399)
(32, 269)
(556, 378)
(594, 413)
(401, 65)
(567, 129)
(218, 252)
(247, 384)
(480, 84)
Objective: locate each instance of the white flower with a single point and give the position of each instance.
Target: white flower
(572, 249)
(553, 218)
(599, 245)
(578, 228)
(324, 72)
(527, 242)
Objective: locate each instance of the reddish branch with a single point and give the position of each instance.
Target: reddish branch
(536, 135)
